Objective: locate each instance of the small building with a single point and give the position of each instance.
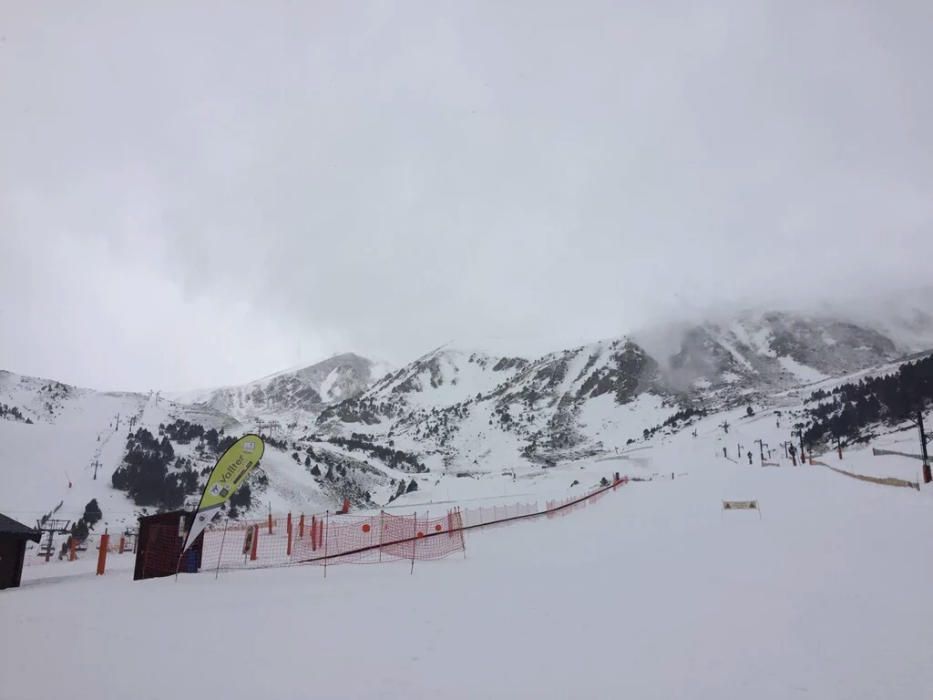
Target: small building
(159, 543)
(13, 538)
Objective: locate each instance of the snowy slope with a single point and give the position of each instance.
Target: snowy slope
(50, 464)
(653, 592)
(52, 461)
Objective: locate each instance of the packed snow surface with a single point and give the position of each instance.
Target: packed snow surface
(652, 592)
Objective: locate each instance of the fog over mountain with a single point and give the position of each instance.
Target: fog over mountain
(285, 183)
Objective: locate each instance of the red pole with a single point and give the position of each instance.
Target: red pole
(414, 539)
(288, 529)
(313, 533)
(301, 526)
(346, 505)
(72, 549)
(122, 543)
(382, 531)
(270, 523)
(102, 554)
(255, 549)
(327, 519)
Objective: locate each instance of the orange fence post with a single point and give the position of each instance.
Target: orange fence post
(72, 549)
(270, 523)
(301, 526)
(346, 505)
(255, 548)
(313, 533)
(327, 519)
(122, 543)
(102, 554)
(288, 531)
(414, 539)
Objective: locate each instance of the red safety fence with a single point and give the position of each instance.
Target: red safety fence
(338, 538)
(316, 539)
(486, 516)
(500, 515)
(306, 539)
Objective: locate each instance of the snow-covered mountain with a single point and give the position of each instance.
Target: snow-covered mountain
(766, 351)
(468, 410)
(293, 395)
(63, 445)
(343, 429)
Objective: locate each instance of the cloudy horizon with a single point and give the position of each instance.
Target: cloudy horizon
(201, 196)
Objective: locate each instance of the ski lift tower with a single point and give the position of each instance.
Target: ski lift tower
(272, 427)
(51, 527)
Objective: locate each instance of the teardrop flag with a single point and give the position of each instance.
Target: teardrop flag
(228, 475)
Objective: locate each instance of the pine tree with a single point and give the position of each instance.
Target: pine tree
(79, 530)
(92, 512)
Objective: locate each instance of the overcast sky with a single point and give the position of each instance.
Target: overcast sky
(194, 194)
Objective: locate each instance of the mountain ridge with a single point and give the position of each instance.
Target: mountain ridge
(341, 429)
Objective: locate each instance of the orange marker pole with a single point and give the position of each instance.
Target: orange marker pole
(301, 526)
(102, 554)
(255, 548)
(72, 549)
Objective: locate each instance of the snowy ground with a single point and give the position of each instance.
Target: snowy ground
(653, 592)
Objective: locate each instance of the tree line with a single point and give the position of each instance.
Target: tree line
(854, 406)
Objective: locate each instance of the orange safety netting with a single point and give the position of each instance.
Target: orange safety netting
(289, 541)
(337, 538)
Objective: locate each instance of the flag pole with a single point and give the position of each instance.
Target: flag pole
(327, 522)
(220, 556)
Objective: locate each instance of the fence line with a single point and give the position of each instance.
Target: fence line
(329, 538)
(877, 452)
(880, 480)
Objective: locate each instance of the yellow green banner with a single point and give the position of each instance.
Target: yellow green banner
(228, 475)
